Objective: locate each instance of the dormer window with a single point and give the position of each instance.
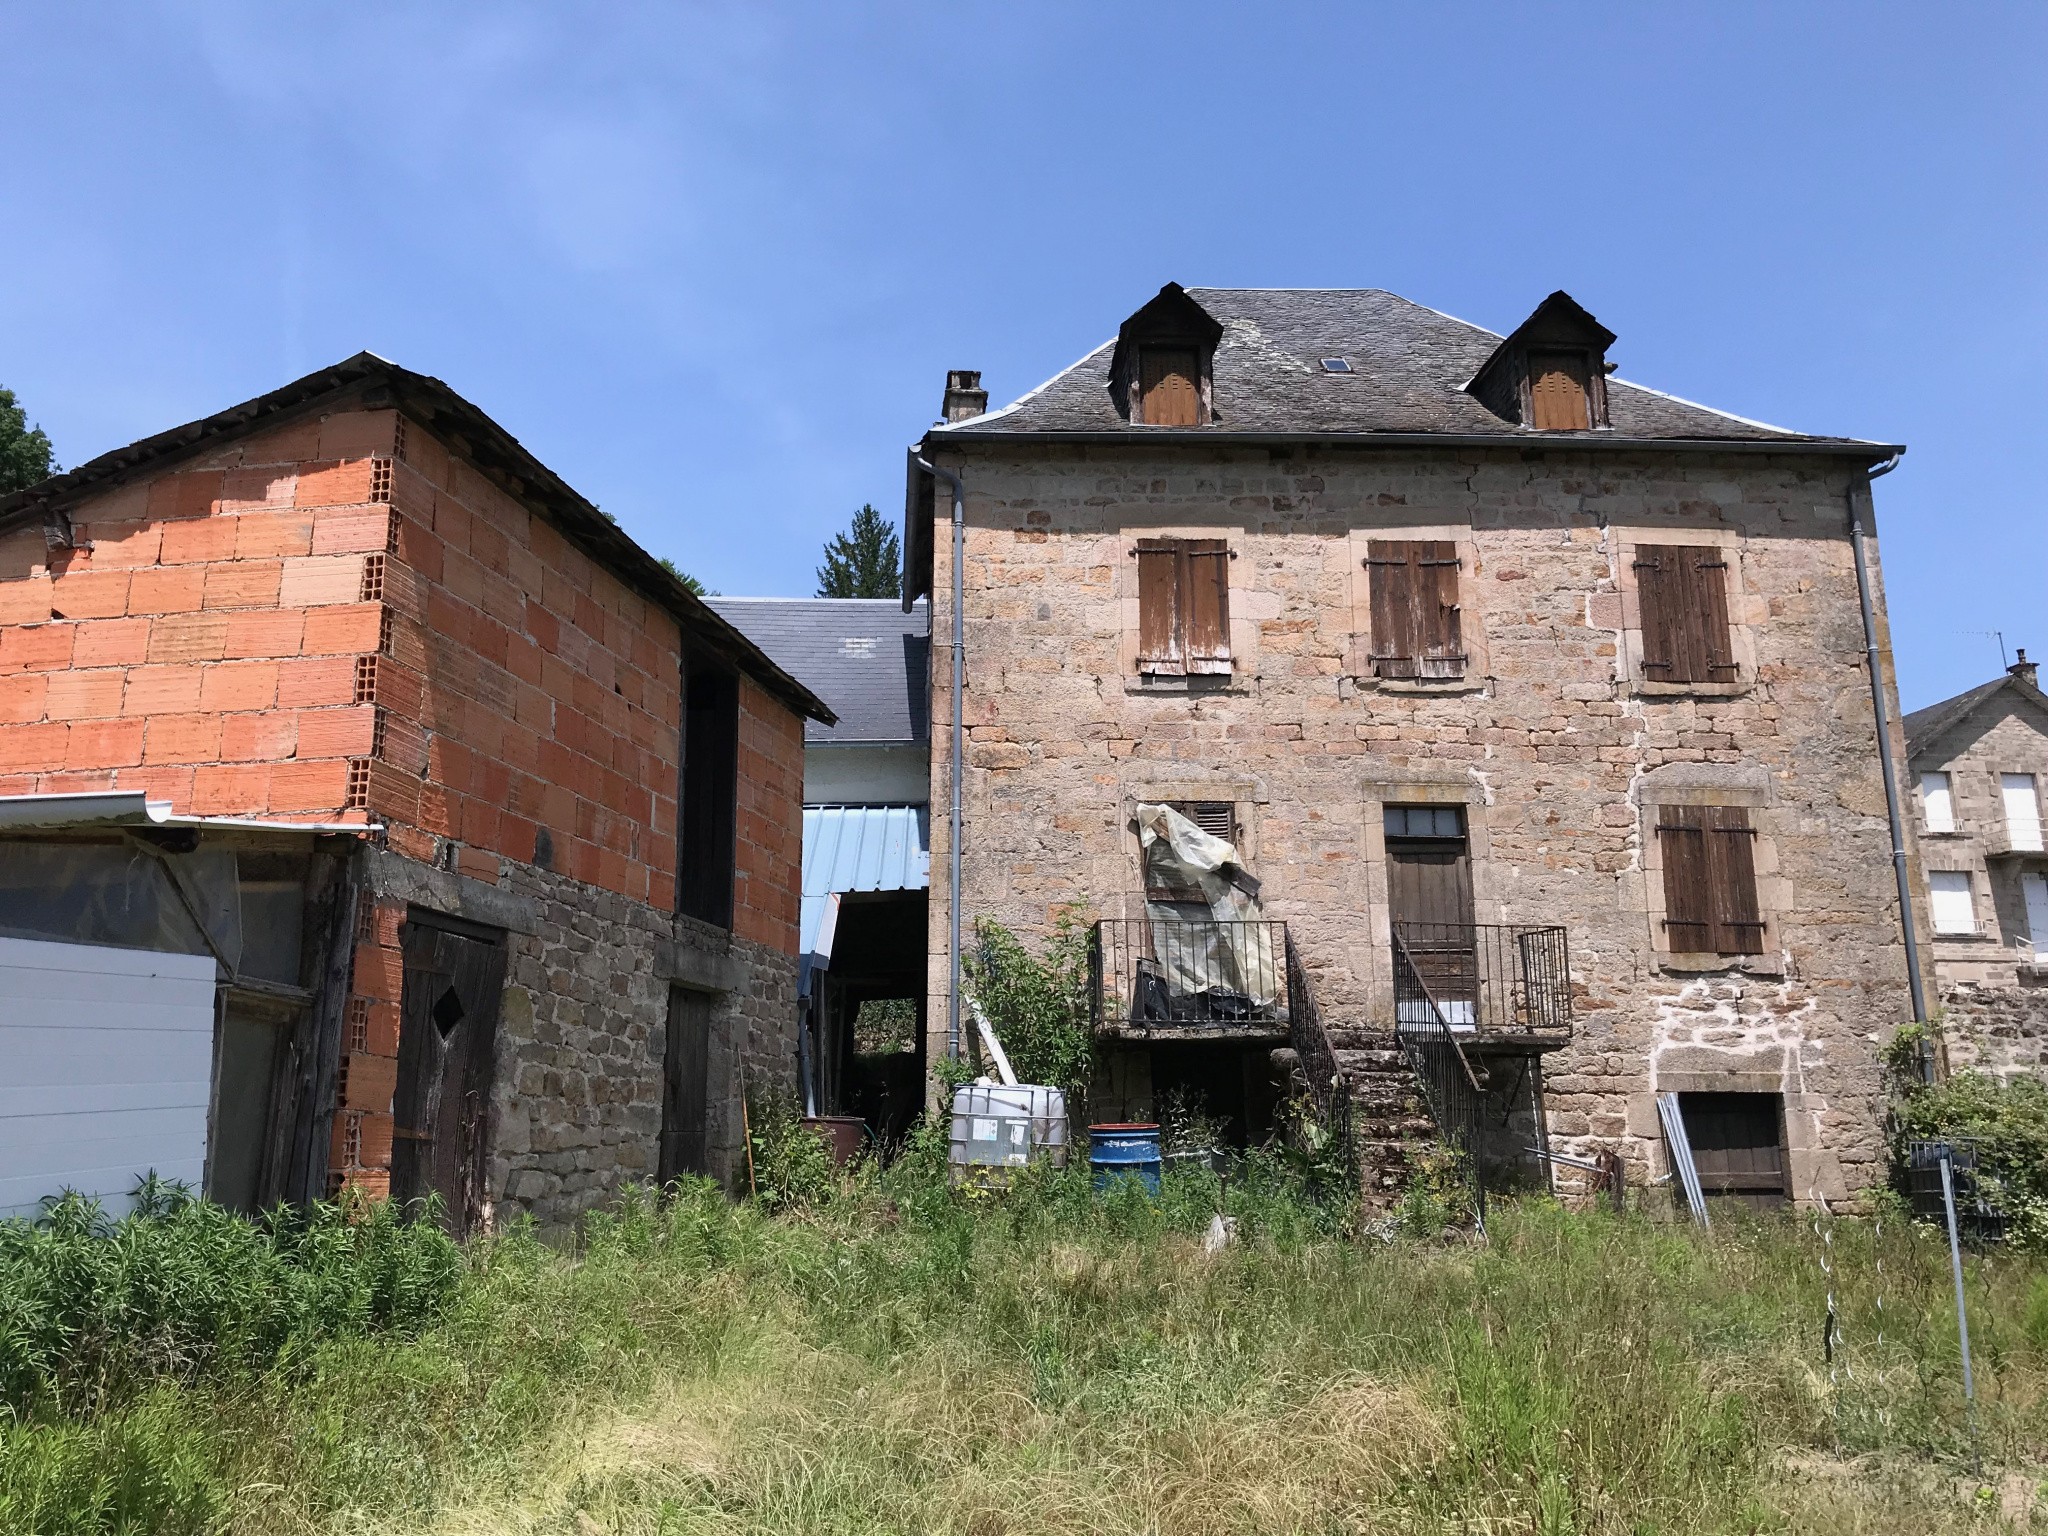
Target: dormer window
(1170, 387)
(1160, 374)
(1551, 373)
(1560, 390)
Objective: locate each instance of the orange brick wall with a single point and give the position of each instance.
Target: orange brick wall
(200, 642)
(523, 688)
(769, 827)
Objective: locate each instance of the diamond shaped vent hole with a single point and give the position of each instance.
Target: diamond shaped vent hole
(448, 1013)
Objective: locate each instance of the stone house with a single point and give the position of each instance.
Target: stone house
(1529, 707)
(1979, 761)
(490, 825)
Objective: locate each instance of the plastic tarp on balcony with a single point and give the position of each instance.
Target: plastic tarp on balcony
(1211, 939)
(856, 848)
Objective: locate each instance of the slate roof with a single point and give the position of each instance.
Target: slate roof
(865, 657)
(1411, 365)
(1923, 726)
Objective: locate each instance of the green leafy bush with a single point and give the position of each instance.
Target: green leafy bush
(1038, 1005)
(791, 1164)
(92, 1309)
(2007, 1119)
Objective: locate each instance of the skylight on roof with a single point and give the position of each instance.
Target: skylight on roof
(1336, 365)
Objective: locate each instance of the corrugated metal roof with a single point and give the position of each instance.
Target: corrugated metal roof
(865, 848)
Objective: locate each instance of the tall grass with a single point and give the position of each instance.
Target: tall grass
(899, 1358)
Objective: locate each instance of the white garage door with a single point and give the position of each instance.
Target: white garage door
(105, 1060)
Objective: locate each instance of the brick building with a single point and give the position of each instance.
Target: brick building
(1979, 761)
(1524, 710)
(357, 605)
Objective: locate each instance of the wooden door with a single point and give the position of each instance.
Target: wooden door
(685, 1085)
(447, 1042)
(1429, 896)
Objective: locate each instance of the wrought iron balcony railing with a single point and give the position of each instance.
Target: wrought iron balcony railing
(1171, 975)
(1482, 979)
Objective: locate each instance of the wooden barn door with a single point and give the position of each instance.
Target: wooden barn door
(447, 1041)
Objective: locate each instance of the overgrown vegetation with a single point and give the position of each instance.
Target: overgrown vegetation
(1038, 1004)
(2006, 1120)
(894, 1357)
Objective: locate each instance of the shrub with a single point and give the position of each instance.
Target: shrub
(791, 1164)
(1038, 1005)
(2008, 1122)
(93, 1308)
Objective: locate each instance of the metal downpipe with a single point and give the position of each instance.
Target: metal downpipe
(954, 768)
(1884, 754)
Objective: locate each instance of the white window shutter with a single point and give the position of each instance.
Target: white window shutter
(1950, 902)
(1937, 802)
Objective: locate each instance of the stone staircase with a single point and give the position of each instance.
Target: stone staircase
(1390, 1119)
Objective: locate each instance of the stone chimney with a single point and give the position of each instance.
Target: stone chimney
(965, 398)
(2028, 672)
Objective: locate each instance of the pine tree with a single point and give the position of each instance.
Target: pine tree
(864, 561)
(24, 450)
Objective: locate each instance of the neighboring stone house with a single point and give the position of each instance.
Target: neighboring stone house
(1473, 657)
(1980, 761)
(547, 924)
(866, 839)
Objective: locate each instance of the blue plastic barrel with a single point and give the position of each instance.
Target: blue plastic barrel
(1124, 1151)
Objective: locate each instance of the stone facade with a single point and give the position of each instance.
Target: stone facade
(1558, 747)
(1992, 980)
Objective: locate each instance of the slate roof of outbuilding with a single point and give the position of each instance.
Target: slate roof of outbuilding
(1410, 368)
(865, 657)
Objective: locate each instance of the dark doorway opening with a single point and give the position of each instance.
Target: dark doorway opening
(1738, 1146)
(447, 1044)
(1227, 1092)
(867, 1025)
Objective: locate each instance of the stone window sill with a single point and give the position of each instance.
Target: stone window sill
(1649, 688)
(1698, 965)
(1449, 686)
(1196, 683)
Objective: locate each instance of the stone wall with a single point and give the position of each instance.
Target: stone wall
(1557, 745)
(582, 1032)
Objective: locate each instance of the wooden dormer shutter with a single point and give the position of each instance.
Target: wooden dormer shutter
(1710, 901)
(1169, 387)
(1184, 606)
(1560, 392)
(1417, 630)
(1682, 592)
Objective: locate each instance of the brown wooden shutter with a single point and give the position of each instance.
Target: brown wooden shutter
(1416, 627)
(1688, 884)
(1559, 392)
(1205, 602)
(1731, 860)
(1159, 619)
(1169, 387)
(1682, 594)
(1710, 900)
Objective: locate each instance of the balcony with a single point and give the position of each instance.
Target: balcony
(1189, 978)
(1483, 981)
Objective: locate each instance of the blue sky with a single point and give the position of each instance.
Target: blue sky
(711, 261)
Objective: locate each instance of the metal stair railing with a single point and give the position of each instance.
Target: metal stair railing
(1329, 1089)
(1439, 1062)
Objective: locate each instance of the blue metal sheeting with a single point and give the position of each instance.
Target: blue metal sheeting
(857, 848)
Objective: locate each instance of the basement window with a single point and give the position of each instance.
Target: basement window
(1738, 1146)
